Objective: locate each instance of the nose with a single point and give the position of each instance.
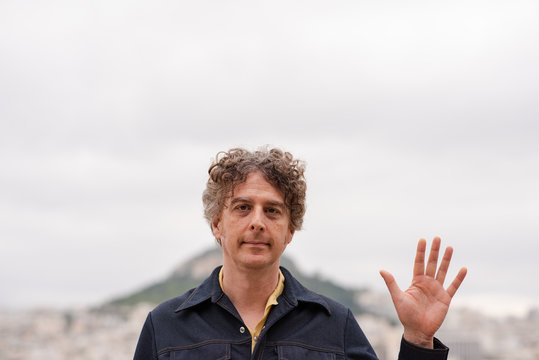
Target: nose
(257, 221)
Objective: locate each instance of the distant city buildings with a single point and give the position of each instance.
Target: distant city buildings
(113, 333)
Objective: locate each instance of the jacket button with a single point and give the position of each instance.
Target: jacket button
(242, 329)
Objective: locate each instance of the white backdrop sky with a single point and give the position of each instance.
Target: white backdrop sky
(416, 119)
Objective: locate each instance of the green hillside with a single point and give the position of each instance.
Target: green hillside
(194, 271)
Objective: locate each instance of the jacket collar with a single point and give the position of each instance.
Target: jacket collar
(293, 292)
(209, 289)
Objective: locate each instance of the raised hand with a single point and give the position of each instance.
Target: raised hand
(423, 306)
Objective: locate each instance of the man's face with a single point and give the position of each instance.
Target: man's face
(253, 225)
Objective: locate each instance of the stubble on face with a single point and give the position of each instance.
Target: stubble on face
(254, 225)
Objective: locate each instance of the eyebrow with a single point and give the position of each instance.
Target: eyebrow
(239, 200)
(247, 200)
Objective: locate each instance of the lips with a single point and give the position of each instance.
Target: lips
(256, 240)
(256, 243)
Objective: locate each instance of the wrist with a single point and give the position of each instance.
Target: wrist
(419, 339)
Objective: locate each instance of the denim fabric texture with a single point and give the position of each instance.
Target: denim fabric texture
(203, 324)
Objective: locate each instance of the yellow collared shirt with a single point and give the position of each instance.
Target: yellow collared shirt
(272, 300)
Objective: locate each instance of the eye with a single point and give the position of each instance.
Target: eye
(272, 211)
(242, 207)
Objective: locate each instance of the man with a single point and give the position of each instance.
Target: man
(250, 308)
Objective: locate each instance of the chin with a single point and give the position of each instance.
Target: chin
(255, 262)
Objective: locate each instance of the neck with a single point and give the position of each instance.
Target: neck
(249, 289)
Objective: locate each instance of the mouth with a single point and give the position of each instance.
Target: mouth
(256, 243)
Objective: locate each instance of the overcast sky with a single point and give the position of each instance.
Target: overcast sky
(416, 119)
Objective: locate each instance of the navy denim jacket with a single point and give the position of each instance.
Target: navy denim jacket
(203, 324)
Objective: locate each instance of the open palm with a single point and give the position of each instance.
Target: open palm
(423, 306)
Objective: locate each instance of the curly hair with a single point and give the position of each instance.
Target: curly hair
(280, 169)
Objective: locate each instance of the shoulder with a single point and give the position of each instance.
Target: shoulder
(207, 290)
(169, 307)
(297, 293)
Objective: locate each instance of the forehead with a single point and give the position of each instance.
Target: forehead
(256, 185)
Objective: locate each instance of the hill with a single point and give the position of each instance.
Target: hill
(192, 272)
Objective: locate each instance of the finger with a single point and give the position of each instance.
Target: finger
(432, 264)
(391, 284)
(419, 262)
(452, 289)
(446, 260)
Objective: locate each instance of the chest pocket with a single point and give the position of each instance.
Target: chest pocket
(290, 352)
(206, 352)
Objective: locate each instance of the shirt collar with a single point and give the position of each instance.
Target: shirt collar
(272, 299)
(293, 292)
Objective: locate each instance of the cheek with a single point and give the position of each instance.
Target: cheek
(230, 227)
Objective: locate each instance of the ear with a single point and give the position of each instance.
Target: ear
(289, 236)
(216, 227)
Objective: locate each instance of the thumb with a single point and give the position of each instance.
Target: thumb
(391, 284)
